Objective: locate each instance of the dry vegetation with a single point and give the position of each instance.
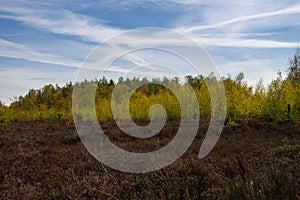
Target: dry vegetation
(252, 160)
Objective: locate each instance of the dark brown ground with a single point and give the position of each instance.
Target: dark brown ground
(46, 160)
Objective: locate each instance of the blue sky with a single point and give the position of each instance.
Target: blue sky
(46, 42)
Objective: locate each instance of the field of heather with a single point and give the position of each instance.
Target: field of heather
(252, 160)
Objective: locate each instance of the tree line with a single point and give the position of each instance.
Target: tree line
(278, 101)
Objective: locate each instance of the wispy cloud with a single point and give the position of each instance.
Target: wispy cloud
(63, 21)
(60, 21)
(14, 50)
(246, 43)
(287, 11)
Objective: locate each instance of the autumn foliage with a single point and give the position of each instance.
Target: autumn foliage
(278, 101)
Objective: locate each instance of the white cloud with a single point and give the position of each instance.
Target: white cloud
(14, 50)
(287, 11)
(246, 43)
(61, 21)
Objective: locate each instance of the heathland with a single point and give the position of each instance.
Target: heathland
(256, 157)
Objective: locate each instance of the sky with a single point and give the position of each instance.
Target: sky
(47, 42)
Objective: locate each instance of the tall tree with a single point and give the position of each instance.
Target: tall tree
(294, 68)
